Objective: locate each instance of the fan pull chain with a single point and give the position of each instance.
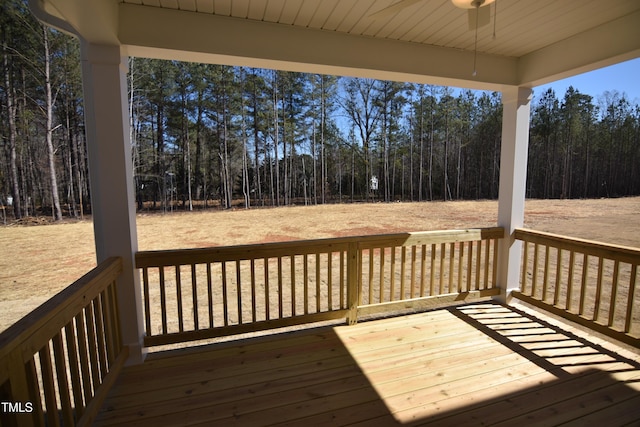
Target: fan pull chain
(475, 45)
(495, 15)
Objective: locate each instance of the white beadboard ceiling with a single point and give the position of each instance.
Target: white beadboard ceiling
(535, 40)
(522, 26)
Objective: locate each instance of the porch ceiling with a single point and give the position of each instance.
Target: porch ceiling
(429, 41)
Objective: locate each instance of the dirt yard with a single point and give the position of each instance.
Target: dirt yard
(38, 261)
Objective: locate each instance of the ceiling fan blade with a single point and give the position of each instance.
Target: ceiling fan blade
(483, 18)
(394, 8)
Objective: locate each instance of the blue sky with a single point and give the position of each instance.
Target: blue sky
(623, 77)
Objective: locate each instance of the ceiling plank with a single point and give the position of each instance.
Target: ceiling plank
(204, 6)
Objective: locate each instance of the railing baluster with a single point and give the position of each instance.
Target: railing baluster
(534, 277)
(370, 284)
(147, 301)
(443, 255)
(478, 264)
(48, 386)
(92, 345)
(318, 299)
(556, 295)
(329, 281)
(32, 391)
(239, 291)
(583, 282)
(461, 255)
(292, 261)
(76, 387)
(392, 277)
(210, 295)
(403, 270)
(62, 380)
(179, 299)
(614, 292)
(253, 290)
(305, 273)
(83, 352)
(113, 288)
(101, 345)
(266, 290)
(433, 270)
(630, 297)
(494, 272)
(194, 296)
(572, 257)
(452, 253)
(486, 264)
(596, 309)
(382, 252)
(413, 270)
(108, 327)
(423, 268)
(23, 382)
(469, 266)
(525, 265)
(280, 286)
(225, 300)
(545, 275)
(342, 281)
(354, 281)
(163, 300)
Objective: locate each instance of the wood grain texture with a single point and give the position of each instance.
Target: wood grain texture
(466, 365)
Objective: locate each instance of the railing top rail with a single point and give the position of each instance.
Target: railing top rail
(159, 258)
(32, 331)
(590, 247)
(430, 237)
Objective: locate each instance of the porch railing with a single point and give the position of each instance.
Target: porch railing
(203, 293)
(58, 363)
(591, 283)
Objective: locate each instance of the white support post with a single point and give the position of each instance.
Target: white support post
(516, 103)
(104, 72)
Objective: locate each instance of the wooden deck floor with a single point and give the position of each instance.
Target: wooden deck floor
(480, 364)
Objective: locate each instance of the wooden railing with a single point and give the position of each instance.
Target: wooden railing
(203, 293)
(58, 363)
(588, 282)
(425, 269)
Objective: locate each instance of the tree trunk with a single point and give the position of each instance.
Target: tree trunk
(13, 138)
(57, 212)
(276, 132)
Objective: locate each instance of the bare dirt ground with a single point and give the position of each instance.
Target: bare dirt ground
(38, 261)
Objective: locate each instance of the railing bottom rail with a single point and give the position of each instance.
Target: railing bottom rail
(426, 303)
(203, 334)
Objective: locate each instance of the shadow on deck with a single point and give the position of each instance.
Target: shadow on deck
(476, 364)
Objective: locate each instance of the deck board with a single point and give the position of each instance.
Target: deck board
(479, 364)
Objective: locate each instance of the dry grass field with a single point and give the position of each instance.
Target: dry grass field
(38, 261)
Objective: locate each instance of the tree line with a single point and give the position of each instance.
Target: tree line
(207, 135)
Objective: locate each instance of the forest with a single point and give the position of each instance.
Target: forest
(213, 136)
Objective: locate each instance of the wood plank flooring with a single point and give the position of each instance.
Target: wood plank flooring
(478, 364)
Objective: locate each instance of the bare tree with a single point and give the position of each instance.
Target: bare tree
(49, 99)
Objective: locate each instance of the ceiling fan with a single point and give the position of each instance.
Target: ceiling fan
(478, 14)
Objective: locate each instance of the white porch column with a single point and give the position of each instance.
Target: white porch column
(513, 176)
(104, 70)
